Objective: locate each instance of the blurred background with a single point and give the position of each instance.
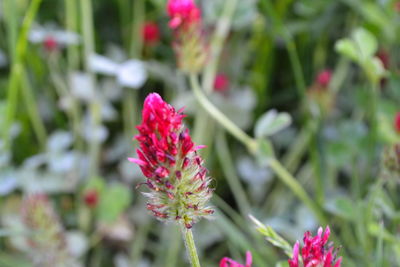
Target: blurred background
(319, 79)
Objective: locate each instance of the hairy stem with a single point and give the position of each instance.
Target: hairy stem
(190, 246)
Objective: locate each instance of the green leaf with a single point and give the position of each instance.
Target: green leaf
(273, 237)
(265, 152)
(115, 199)
(365, 42)
(271, 122)
(347, 48)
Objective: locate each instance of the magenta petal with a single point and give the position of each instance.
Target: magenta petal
(137, 161)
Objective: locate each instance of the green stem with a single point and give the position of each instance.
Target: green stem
(296, 65)
(230, 174)
(30, 102)
(221, 117)
(89, 49)
(296, 188)
(190, 246)
(217, 41)
(138, 21)
(71, 23)
(296, 151)
(17, 68)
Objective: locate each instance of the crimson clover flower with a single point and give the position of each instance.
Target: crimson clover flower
(227, 262)
(47, 242)
(183, 13)
(189, 43)
(176, 177)
(150, 33)
(221, 83)
(324, 77)
(315, 253)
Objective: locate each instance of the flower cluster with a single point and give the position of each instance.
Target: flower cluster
(314, 252)
(175, 173)
(227, 262)
(189, 44)
(47, 242)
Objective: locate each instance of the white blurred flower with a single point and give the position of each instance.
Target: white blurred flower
(8, 182)
(131, 73)
(52, 37)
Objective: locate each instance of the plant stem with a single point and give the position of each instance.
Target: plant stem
(71, 23)
(30, 102)
(217, 41)
(228, 168)
(296, 188)
(221, 117)
(190, 246)
(17, 68)
(88, 49)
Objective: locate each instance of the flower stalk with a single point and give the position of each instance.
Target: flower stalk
(190, 246)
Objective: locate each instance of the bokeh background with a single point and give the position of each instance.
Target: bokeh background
(319, 79)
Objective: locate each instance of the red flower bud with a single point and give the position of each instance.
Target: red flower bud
(50, 44)
(150, 33)
(91, 198)
(221, 83)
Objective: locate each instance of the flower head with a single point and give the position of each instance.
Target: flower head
(314, 252)
(221, 83)
(324, 77)
(150, 33)
(227, 262)
(397, 122)
(189, 43)
(183, 13)
(91, 198)
(175, 173)
(50, 44)
(48, 245)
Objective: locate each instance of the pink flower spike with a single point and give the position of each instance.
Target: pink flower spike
(199, 147)
(315, 252)
(221, 83)
(168, 158)
(137, 161)
(324, 78)
(249, 259)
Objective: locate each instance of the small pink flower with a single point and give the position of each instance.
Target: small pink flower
(314, 252)
(50, 44)
(221, 83)
(150, 33)
(324, 77)
(227, 262)
(91, 198)
(175, 173)
(183, 13)
(189, 42)
(397, 122)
